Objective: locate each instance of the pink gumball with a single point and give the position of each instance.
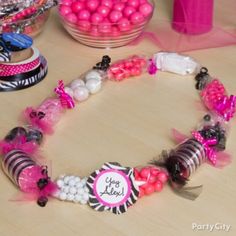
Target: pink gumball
(94, 31)
(77, 6)
(119, 6)
(84, 25)
(155, 171)
(158, 186)
(96, 18)
(71, 17)
(162, 176)
(64, 10)
(149, 189)
(145, 9)
(124, 24)
(115, 32)
(145, 172)
(136, 18)
(128, 11)
(133, 3)
(84, 15)
(92, 5)
(108, 3)
(115, 16)
(141, 192)
(142, 1)
(105, 28)
(103, 10)
(66, 2)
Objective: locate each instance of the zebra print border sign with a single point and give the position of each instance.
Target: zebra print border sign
(112, 188)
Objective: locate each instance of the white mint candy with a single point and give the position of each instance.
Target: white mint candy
(77, 198)
(69, 91)
(76, 83)
(94, 85)
(86, 196)
(60, 183)
(81, 93)
(84, 181)
(80, 191)
(72, 182)
(66, 189)
(70, 197)
(79, 185)
(63, 196)
(77, 179)
(73, 190)
(93, 74)
(83, 202)
(66, 179)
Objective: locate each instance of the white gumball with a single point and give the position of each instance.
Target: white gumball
(69, 91)
(66, 189)
(80, 191)
(63, 196)
(79, 185)
(84, 181)
(73, 190)
(76, 83)
(94, 85)
(77, 179)
(66, 179)
(70, 197)
(83, 202)
(81, 93)
(60, 183)
(72, 182)
(77, 198)
(86, 196)
(93, 74)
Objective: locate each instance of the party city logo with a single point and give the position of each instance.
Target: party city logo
(211, 227)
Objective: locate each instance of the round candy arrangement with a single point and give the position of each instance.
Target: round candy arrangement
(113, 187)
(105, 23)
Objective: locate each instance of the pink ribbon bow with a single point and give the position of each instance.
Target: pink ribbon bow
(65, 98)
(210, 152)
(226, 107)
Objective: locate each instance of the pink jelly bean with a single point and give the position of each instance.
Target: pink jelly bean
(71, 17)
(84, 15)
(66, 2)
(92, 5)
(136, 18)
(103, 10)
(108, 3)
(84, 25)
(119, 6)
(77, 6)
(128, 11)
(96, 18)
(133, 3)
(115, 16)
(124, 24)
(64, 10)
(145, 9)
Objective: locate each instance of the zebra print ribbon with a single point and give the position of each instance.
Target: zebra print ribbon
(112, 188)
(24, 80)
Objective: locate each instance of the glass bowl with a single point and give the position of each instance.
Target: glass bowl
(105, 34)
(30, 26)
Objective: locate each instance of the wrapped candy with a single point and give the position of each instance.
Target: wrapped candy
(123, 69)
(26, 139)
(206, 144)
(31, 178)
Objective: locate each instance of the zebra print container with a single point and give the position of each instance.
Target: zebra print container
(14, 163)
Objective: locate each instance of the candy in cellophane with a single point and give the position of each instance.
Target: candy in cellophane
(30, 177)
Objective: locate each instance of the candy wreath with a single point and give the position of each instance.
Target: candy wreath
(113, 187)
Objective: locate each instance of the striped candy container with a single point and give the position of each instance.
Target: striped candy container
(29, 177)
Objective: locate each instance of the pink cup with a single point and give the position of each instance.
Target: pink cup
(193, 16)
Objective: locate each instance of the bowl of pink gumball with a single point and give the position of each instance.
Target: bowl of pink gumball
(105, 23)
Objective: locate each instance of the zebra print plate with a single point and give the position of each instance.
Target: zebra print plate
(112, 188)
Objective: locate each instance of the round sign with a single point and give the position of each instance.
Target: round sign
(112, 188)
